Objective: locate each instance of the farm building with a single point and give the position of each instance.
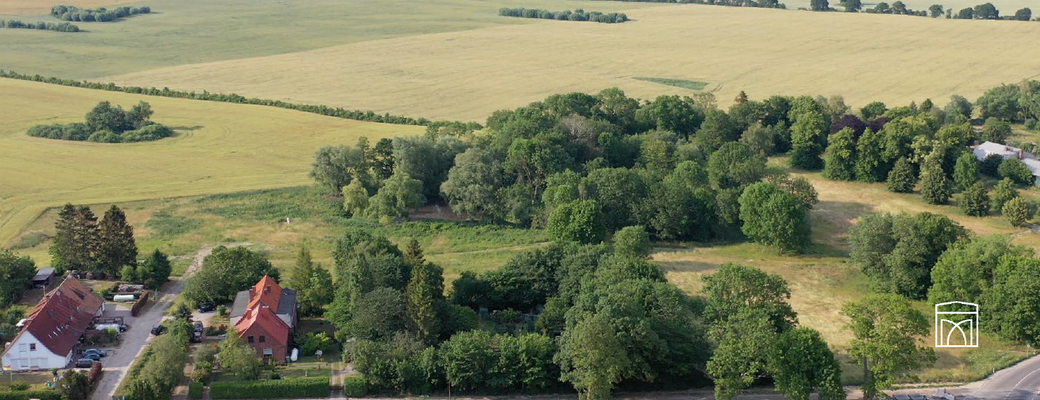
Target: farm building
(987, 149)
(49, 334)
(43, 278)
(264, 316)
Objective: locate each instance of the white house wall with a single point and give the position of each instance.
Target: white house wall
(19, 357)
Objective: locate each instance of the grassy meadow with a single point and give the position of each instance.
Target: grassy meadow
(468, 74)
(219, 148)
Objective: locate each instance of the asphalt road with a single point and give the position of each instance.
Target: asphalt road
(137, 337)
(1019, 382)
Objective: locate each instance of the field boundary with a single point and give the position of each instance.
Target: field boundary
(338, 112)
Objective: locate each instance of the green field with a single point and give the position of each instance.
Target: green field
(194, 31)
(219, 148)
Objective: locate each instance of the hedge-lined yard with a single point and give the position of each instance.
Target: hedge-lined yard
(270, 389)
(30, 394)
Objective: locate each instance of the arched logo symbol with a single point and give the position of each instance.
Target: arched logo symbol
(956, 324)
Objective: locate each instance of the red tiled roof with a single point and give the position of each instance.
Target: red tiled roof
(62, 316)
(266, 291)
(260, 316)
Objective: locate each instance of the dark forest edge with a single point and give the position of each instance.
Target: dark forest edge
(338, 112)
(566, 15)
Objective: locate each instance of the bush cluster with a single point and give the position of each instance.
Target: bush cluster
(108, 124)
(337, 112)
(567, 15)
(73, 13)
(60, 27)
(195, 390)
(271, 389)
(355, 386)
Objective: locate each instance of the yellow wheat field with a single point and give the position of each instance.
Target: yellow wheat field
(219, 148)
(468, 74)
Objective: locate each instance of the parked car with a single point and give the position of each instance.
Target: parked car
(198, 326)
(92, 356)
(100, 353)
(207, 306)
(158, 330)
(85, 363)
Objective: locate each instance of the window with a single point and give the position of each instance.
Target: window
(32, 346)
(250, 339)
(263, 339)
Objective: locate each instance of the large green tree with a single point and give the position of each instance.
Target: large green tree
(337, 166)
(399, 194)
(17, 274)
(808, 138)
(425, 293)
(966, 171)
(1003, 192)
(735, 165)
(225, 272)
(966, 269)
(803, 364)
(840, 160)
(870, 164)
(238, 358)
(580, 221)
(1010, 305)
(76, 238)
(975, 201)
(774, 217)
(735, 287)
(902, 178)
(935, 185)
(116, 245)
(886, 331)
(155, 270)
(473, 183)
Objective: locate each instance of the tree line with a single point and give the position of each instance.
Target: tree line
(50, 26)
(337, 112)
(981, 11)
(105, 248)
(926, 148)
(729, 3)
(106, 123)
(566, 15)
(101, 14)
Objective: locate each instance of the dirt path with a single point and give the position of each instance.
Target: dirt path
(138, 336)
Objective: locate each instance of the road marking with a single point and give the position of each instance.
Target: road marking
(1019, 383)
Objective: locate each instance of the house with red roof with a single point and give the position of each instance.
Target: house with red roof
(51, 331)
(264, 317)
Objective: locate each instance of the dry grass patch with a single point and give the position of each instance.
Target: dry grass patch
(469, 74)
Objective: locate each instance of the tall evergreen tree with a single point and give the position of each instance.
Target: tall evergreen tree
(302, 270)
(935, 186)
(840, 161)
(424, 293)
(902, 178)
(414, 254)
(966, 171)
(117, 247)
(75, 244)
(870, 165)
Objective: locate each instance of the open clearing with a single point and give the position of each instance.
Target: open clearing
(468, 74)
(219, 148)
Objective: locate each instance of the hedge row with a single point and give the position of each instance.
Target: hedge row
(355, 386)
(227, 98)
(48, 26)
(195, 390)
(272, 389)
(31, 394)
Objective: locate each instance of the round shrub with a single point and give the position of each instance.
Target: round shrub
(1019, 211)
(1016, 170)
(632, 241)
(974, 201)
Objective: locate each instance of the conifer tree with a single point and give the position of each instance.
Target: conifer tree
(966, 171)
(155, 270)
(902, 178)
(75, 244)
(935, 186)
(974, 201)
(840, 161)
(424, 293)
(117, 247)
